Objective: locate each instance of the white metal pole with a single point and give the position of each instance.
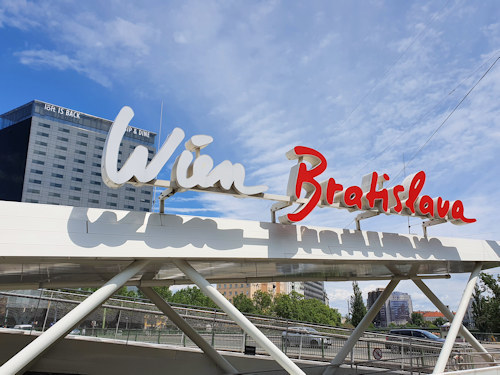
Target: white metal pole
(189, 331)
(33, 350)
(358, 332)
(457, 321)
(449, 315)
(239, 318)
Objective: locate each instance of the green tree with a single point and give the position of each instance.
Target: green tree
(164, 292)
(357, 306)
(262, 302)
(244, 304)
(486, 303)
(315, 311)
(417, 319)
(438, 322)
(192, 296)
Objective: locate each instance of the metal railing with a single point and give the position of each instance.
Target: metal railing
(135, 320)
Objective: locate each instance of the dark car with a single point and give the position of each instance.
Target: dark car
(410, 333)
(308, 336)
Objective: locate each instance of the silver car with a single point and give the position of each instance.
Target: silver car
(308, 336)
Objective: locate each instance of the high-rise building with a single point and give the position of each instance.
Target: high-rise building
(315, 290)
(50, 154)
(397, 309)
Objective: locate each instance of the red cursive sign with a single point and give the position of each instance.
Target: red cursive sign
(401, 199)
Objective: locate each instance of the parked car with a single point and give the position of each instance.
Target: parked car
(24, 327)
(410, 333)
(309, 337)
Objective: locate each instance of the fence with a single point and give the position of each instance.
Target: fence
(135, 320)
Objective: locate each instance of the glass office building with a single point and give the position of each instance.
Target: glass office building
(50, 154)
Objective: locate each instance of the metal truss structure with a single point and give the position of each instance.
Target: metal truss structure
(55, 246)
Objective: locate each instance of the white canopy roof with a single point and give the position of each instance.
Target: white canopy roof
(59, 246)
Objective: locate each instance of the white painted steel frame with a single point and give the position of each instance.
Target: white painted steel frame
(184, 326)
(43, 342)
(360, 329)
(239, 318)
(449, 315)
(457, 321)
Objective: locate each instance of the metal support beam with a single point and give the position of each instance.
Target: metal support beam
(184, 326)
(43, 342)
(358, 332)
(457, 321)
(239, 318)
(449, 315)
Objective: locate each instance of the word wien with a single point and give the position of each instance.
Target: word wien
(401, 199)
(185, 174)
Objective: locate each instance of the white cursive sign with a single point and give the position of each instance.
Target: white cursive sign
(186, 173)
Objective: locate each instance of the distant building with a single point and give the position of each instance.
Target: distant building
(309, 289)
(52, 155)
(430, 316)
(231, 290)
(397, 309)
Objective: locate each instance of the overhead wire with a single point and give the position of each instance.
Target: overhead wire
(441, 124)
(397, 138)
(446, 119)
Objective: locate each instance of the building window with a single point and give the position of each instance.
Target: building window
(56, 185)
(80, 152)
(96, 165)
(32, 200)
(230, 293)
(100, 139)
(77, 179)
(93, 173)
(145, 192)
(57, 195)
(38, 162)
(95, 182)
(35, 181)
(99, 148)
(75, 188)
(56, 175)
(99, 156)
(60, 157)
(42, 134)
(84, 135)
(145, 209)
(64, 130)
(60, 166)
(111, 204)
(80, 161)
(130, 198)
(94, 192)
(36, 171)
(64, 139)
(79, 170)
(74, 198)
(40, 143)
(93, 201)
(34, 191)
(44, 125)
(62, 148)
(129, 207)
(128, 188)
(80, 143)
(38, 152)
(145, 201)
(113, 195)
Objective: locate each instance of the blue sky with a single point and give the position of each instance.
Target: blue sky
(364, 82)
